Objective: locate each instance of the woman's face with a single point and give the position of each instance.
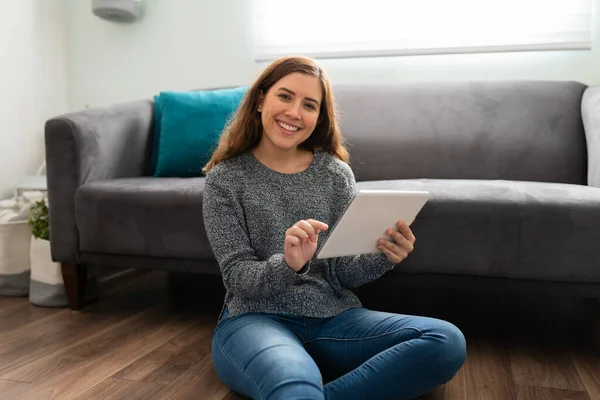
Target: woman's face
(290, 110)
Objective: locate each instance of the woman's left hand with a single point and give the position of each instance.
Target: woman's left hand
(399, 244)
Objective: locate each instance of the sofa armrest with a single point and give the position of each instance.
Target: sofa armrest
(91, 145)
(590, 114)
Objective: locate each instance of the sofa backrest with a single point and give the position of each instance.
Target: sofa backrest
(517, 130)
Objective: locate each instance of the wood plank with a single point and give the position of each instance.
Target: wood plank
(90, 362)
(158, 365)
(63, 331)
(485, 374)
(6, 385)
(536, 363)
(26, 313)
(21, 316)
(544, 393)
(457, 388)
(198, 381)
(7, 303)
(115, 389)
(37, 368)
(39, 326)
(587, 365)
(34, 347)
(438, 393)
(12, 330)
(187, 356)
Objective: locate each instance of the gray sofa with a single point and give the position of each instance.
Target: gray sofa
(513, 168)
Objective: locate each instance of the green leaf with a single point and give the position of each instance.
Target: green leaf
(39, 220)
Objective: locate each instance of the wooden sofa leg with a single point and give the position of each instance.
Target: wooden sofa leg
(75, 278)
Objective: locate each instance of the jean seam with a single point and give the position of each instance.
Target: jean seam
(234, 364)
(364, 338)
(376, 357)
(287, 382)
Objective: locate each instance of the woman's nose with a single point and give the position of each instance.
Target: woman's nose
(293, 111)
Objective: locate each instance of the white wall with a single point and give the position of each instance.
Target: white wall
(186, 44)
(177, 45)
(33, 82)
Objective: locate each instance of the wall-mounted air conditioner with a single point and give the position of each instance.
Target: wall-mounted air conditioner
(117, 10)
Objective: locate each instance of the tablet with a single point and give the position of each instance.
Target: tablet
(366, 218)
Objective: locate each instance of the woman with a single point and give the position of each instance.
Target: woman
(278, 179)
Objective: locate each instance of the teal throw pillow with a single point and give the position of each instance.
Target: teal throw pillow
(190, 125)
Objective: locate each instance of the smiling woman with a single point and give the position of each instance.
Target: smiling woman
(287, 96)
(289, 114)
(284, 117)
(278, 180)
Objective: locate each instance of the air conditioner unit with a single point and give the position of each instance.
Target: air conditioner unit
(117, 10)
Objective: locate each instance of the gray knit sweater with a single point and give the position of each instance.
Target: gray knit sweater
(247, 209)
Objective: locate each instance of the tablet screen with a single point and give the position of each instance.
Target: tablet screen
(366, 218)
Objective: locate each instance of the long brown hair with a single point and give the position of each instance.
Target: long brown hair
(244, 130)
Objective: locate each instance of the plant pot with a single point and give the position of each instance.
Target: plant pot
(47, 288)
(14, 258)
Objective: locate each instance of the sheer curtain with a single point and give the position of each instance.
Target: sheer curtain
(348, 28)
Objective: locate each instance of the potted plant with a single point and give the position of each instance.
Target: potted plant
(46, 286)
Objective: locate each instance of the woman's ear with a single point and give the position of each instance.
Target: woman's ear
(261, 99)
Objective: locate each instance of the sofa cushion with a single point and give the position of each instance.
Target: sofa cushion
(512, 229)
(511, 130)
(147, 216)
(508, 229)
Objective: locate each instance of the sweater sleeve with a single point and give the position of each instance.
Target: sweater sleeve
(243, 273)
(355, 271)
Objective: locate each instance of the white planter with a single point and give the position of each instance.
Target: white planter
(14, 258)
(46, 287)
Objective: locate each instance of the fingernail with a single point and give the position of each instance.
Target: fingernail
(389, 231)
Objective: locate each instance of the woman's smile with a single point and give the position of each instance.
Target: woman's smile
(287, 129)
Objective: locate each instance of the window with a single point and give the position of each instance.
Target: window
(348, 28)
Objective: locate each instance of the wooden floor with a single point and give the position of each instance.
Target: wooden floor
(140, 342)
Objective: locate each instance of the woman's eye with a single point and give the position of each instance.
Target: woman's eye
(310, 106)
(284, 96)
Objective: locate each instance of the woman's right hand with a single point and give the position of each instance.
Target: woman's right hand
(301, 242)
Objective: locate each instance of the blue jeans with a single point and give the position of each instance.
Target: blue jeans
(363, 354)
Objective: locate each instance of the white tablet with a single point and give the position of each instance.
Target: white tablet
(366, 218)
